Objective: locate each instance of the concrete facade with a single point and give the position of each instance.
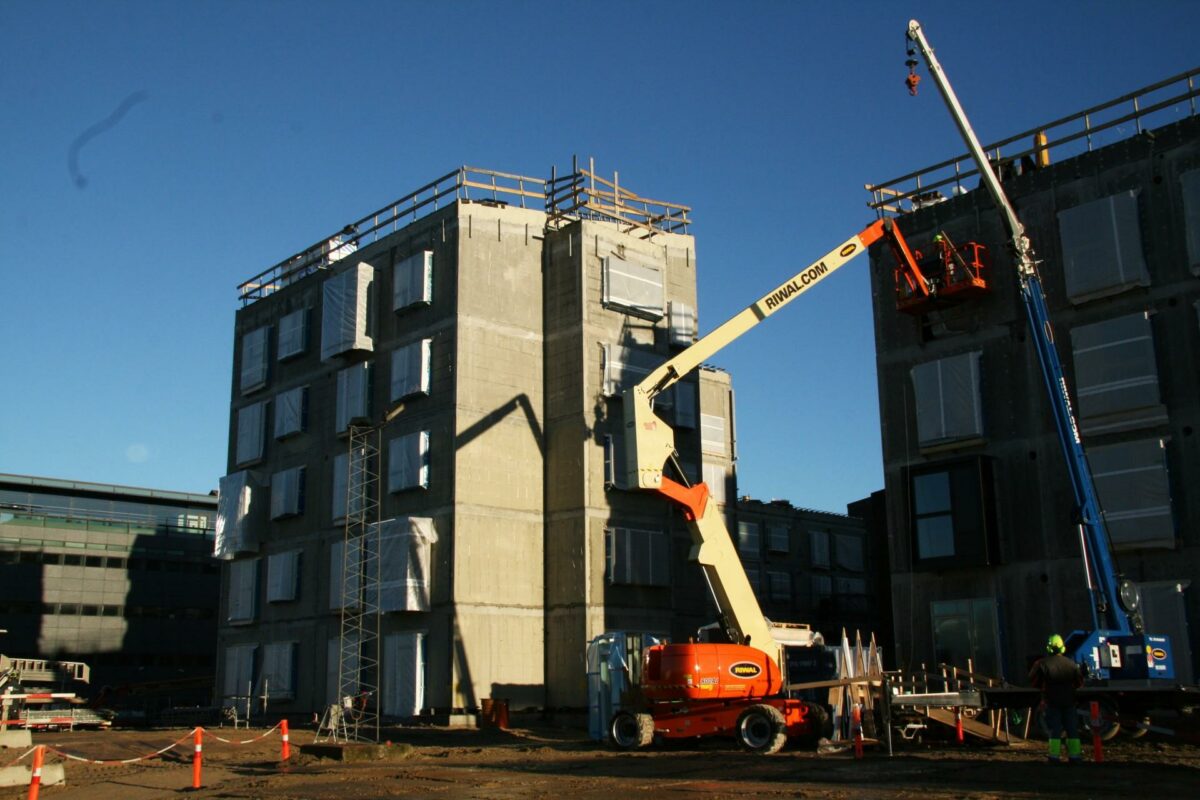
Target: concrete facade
(1008, 571)
(117, 577)
(521, 418)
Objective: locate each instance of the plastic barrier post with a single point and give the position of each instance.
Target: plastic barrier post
(287, 750)
(35, 781)
(856, 722)
(197, 756)
(1097, 745)
(958, 730)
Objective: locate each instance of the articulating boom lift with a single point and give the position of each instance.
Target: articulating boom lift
(1116, 648)
(699, 689)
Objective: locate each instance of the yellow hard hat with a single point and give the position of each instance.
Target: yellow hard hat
(1055, 644)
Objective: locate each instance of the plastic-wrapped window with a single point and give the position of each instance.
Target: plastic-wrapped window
(287, 493)
(293, 334)
(410, 369)
(1102, 247)
(1116, 374)
(682, 324)
(408, 462)
(345, 312)
(339, 594)
(780, 586)
(633, 286)
(254, 359)
(243, 589)
(685, 404)
(849, 552)
(818, 548)
(291, 412)
(404, 674)
(275, 679)
(237, 508)
(712, 435)
(239, 673)
(778, 540)
(353, 395)
(282, 576)
(639, 557)
(625, 367)
(333, 657)
(339, 482)
(1134, 491)
(251, 433)
(749, 541)
(412, 281)
(714, 477)
(1190, 184)
(405, 546)
(948, 401)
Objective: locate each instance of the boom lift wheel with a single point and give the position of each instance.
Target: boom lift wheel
(761, 729)
(629, 731)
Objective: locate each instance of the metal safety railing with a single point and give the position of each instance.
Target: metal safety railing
(1129, 115)
(487, 186)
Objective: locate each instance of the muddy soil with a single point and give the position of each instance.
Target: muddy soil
(544, 762)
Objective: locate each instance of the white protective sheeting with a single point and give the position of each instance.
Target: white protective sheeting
(283, 572)
(276, 678)
(408, 462)
(290, 411)
(625, 367)
(239, 672)
(681, 324)
(1102, 247)
(251, 433)
(254, 359)
(410, 369)
(353, 401)
(243, 590)
(634, 286)
(293, 334)
(236, 530)
(345, 306)
(949, 405)
(404, 674)
(287, 493)
(412, 280)
(405, 546)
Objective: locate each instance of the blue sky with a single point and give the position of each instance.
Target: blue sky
(251, 129)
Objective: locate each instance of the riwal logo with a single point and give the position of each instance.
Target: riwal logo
(1160, 654)
(745, 670)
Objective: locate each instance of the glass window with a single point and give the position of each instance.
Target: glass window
(849, 552)
(345, 305)
(1190, 184)
(953, 514)
(818, 542)
(408, 462)
(633, 286)
(353, 396)
(410, 369)
(685, 404)
(625, 367)
(949, 407)
(638, 557)
(1134, 491)
(291, 412)
(293, 334)
(780, 586)
(283, 572)
(749, 542)
(1102, 247)
(287, 493)
(412, 281)
(254, 359)
(934, 515)
(967, 629)
(682, 324)
(251, 433)
(243, 588)
(1116, 379)
(712, 435)
(778, 538)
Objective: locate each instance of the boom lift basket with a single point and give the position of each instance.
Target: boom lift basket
(951, 273)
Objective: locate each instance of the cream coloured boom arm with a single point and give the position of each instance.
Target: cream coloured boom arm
(650, 442)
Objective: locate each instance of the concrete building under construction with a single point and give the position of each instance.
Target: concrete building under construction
(450, 367)
(985, 548)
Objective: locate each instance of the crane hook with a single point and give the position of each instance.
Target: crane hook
(913, 78)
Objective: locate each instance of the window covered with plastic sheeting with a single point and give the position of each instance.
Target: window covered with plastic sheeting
(712, 435)
(1116, 378)
(818, 548)
(949, 407)
(778, 538)
(633, 286)
(410, 369)
(345, 310)
(403, 674)
(254, 359)
(238, 503)
(681, 323)
(1131, 482)
(1102, 247)
(243, 590)
(1190, 184)
(251, 433)
(749, 540)
(333, 656)
(715, 479)
(293, 334)
(412, 281)
(283, 576)
(291, 412)
(638, 557)
(337, 557)
(779, 584)
(849, 552)
(353, 402)
(339, 482)
(287, 493)
(276, 678)
(614, 461)
(685, 404)
(408, 462)
(405, 545)
(239, 675)
(625, 367)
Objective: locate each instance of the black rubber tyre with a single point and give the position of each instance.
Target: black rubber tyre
(629, 731)
(761, 729)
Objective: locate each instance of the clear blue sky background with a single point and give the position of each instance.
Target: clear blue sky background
(265, 125)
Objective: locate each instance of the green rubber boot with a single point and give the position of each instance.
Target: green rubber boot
(1074, 751)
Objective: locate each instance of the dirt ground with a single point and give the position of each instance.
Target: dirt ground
(545, 762)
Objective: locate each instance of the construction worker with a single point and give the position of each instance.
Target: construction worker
(1058, 677)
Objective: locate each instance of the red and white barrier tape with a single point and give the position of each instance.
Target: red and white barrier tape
(264, 735)
(115, 762)
(20, 757)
